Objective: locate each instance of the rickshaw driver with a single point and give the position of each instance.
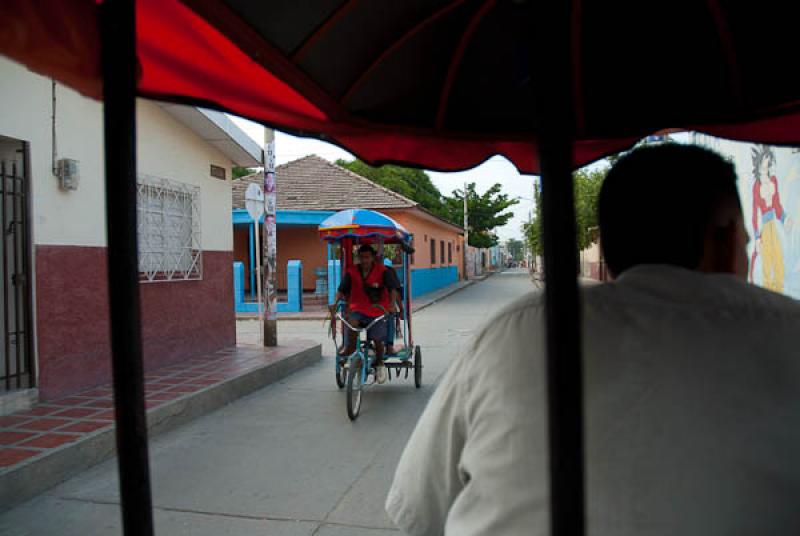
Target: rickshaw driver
(364, 286)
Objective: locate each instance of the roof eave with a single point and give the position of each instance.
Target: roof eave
(218, 130)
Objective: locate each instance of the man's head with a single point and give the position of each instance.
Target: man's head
(366, 256)
(672, 204)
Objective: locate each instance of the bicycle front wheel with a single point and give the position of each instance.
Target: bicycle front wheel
(354, 390)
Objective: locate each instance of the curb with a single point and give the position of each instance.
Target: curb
(39, 475)
(468, 284)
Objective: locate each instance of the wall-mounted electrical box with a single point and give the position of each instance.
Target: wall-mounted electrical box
(68, 174)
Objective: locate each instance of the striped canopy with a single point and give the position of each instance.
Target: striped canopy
(365, 225)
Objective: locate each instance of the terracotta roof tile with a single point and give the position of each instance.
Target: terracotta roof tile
(313, 183)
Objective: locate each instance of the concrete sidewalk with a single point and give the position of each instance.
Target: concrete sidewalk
(48, 444)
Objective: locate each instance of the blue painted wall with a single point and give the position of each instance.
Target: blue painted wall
(334, 278)
(294, 284)
(424, 280)
(294, 280)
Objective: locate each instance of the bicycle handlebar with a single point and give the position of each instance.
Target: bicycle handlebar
(359, 330)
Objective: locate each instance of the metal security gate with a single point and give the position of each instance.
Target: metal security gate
(16, 361)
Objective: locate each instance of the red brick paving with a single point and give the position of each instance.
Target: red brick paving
(53, 424)
(100, 404)
(172, 381)
(8, 421)
(71, 401)
(10, 438)
(95, 393)
(43, 410)
(43, 424)
(84, 427)
(49, 441)
(13, 456)
(77, 412)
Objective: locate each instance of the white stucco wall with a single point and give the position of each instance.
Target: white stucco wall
(166, 149)
(171, 150)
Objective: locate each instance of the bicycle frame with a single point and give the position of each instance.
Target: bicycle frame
(362, 346)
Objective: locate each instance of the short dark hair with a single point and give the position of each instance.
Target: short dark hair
(656, 205)
(366, 248)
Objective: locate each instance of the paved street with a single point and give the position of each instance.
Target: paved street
(285, 460)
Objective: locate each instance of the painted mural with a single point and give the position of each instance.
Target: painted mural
(769, 187)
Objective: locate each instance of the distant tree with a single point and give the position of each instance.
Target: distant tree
(486, 212)
(412, 183)
(515, 248)
(239, 172)
(587, 191)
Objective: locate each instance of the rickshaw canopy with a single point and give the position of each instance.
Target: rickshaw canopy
(442, 84)
(367, 226)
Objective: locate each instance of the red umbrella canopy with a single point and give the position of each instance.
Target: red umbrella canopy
(443, 84)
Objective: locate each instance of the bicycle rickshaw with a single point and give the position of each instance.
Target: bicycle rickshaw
(513, 78)
(344, 231)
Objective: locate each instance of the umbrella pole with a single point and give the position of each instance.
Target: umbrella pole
(564, 371)
(118, 52)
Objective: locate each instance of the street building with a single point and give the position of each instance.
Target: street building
(54, 330)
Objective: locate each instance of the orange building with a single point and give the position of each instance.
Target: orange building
(311, 189)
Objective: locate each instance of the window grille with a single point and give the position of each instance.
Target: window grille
(169, 230)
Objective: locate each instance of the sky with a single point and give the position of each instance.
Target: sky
(494, 170)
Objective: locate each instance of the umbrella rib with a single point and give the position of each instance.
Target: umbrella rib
(397, 44)
(320, 30)
(726, 40)
(455, 61)
(577, 87)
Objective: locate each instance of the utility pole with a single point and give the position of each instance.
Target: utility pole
(270, 245)
(466, 233)
(532, 260)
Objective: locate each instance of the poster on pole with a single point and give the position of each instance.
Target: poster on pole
(270, 230)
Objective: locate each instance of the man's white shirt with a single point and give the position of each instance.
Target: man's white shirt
(692, 390)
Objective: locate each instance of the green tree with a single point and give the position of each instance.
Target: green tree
(487, 211)
(412, 183)
(515, 248)
(239, 172)
(587, 191)
(533, 229)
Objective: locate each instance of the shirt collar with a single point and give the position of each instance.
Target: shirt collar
(680, 285)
